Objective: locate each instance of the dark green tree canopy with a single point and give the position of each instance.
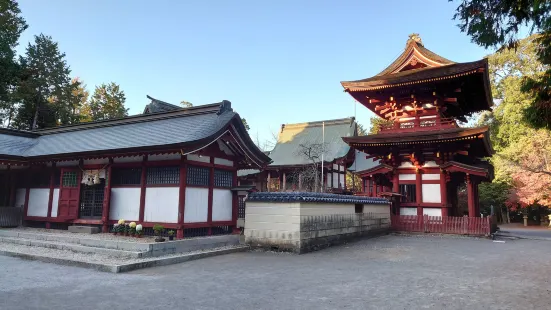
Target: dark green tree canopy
(496, 23)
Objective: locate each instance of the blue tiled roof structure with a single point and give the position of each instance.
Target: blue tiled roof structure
(313, 197)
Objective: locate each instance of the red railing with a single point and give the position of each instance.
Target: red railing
(419, 124)
(441, 224)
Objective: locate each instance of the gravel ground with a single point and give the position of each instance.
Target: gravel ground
(390, 272)
(144, 239)
(88, 257)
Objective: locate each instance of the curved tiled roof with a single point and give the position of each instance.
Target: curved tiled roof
(313, 197)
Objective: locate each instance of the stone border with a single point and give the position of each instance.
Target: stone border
(125, 267)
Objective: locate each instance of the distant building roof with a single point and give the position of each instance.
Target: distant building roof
(362, 162)
(156, 106)
(181, 128)
(294, 137)
(313, 197)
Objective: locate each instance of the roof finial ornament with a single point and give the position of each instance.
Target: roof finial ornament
(415, 38)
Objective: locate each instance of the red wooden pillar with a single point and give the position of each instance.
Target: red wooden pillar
(419, 192)
(143, 183)
(470, 197)
(344, 167)
(182, 198)
(476, 200)
(107, 199)
(374, 191)
(235, 203)
(211, 193)
(51, 195)
(443, 193)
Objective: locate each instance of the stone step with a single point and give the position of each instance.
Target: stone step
(73, 247)
(84, 229)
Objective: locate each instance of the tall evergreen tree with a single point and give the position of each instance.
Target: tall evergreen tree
(107, 102)
(43, 86)
(11, 27)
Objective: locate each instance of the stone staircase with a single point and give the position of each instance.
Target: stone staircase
(82, 243)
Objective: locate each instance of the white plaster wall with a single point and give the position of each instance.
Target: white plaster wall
(97, 161)
(408, 211)
(431, 193)
(406, 164)
(223, 162)
(161, 157)
(125, 204)
(130, 159)
(432, 211)
(328, 179)
(203, 159)
(161, 204)
(221, 205)
(430, 163)
(38, 202)
(335, 179)
(341, 167)
(335, 167)
(341, 179)
(66, 163)
(55, 202)
(197, 205)
(431, 176)
(20, 197)
(409, 177)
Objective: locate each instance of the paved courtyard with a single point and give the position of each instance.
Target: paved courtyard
(390, 272)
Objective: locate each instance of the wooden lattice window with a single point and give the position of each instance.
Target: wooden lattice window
(223, 178)
(163, 175)
(408, 192)
(69, 179)
(198, 176)
(126, 176)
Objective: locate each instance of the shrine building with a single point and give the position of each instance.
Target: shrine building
(424, 155)
(170, 165)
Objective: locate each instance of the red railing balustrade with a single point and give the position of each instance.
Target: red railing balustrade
(442, 224)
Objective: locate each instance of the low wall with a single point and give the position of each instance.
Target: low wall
(302, 222)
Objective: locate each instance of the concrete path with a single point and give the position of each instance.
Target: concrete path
(390, 272)
(528, 232)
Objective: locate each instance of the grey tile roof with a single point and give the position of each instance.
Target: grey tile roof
(361, 163)
(292, 136)
(313, 197)
(132, 132)
(157, 106)
(245, 172)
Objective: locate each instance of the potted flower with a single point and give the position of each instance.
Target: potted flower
(171, 235)
(158, 229)
(139, 230)
(120, 229)
(115, 229)
(132, 229)
(126, 229)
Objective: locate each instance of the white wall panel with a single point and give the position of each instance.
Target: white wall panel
(223, 162)
(203, 159)
(406, 164)
(335, 167)
(432, 211)
(221, 205)
(38, 202)
(408, 211)
(20, 197)
(197, 204)
(335, 179)
(430, 163)
(125, 204)
(431, 193)
(161, 204)
(341, 167)
(431, 176)
(408, 177)
(328, 179)
(55, 202)
(130, 159)
(160, 157)
(341, 179)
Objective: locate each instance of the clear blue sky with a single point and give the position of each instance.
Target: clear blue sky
(276, 61)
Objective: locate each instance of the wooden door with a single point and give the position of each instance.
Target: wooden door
(69, 194)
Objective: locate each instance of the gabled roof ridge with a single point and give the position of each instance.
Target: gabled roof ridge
(19, 133)
(330, 122)
(196, 110)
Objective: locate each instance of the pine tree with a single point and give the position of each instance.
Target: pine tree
(11, 27)
(43, 86)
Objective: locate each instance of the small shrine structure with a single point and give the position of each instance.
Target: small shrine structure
(424, 154)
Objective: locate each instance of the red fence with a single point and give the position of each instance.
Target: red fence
(443, 225)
